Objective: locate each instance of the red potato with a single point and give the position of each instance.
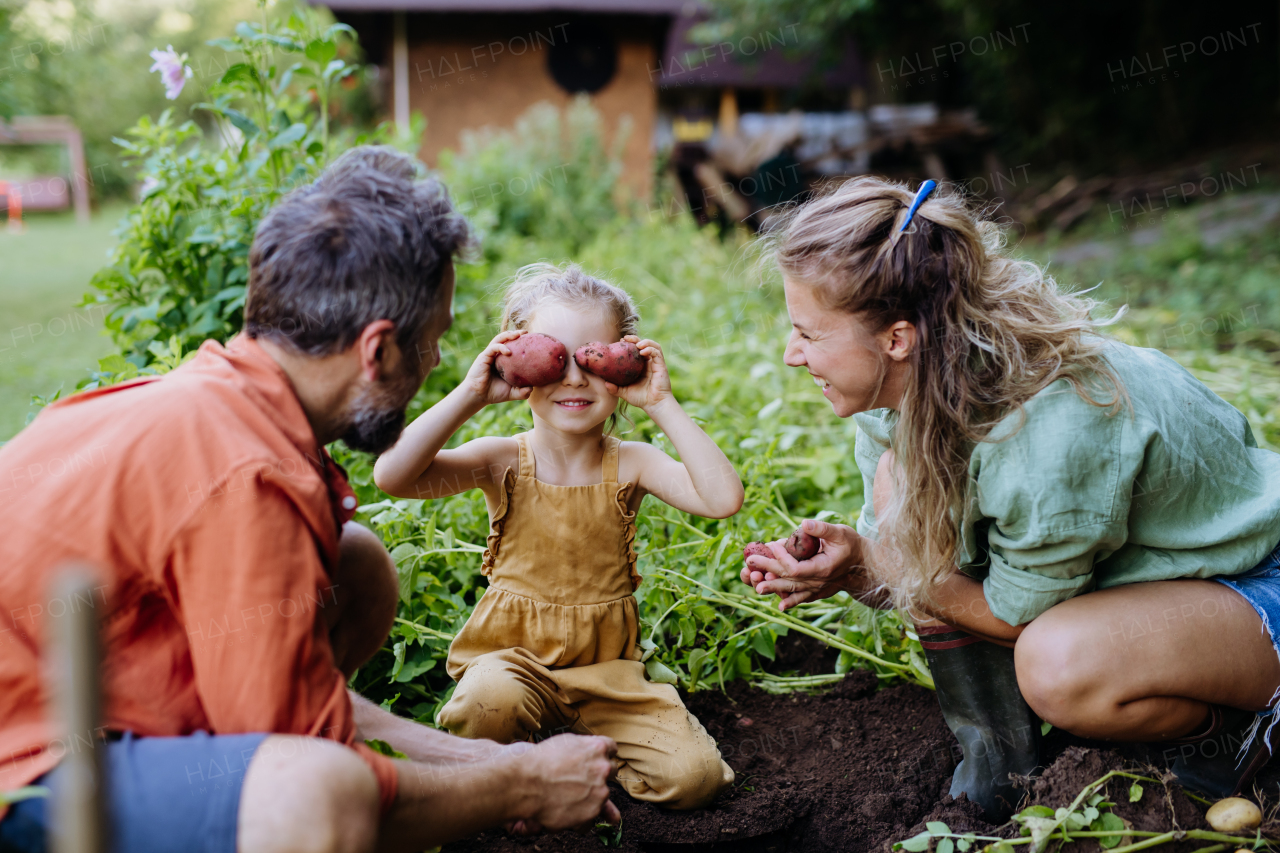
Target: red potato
(535, 360)
(801, 545)
(620, 363)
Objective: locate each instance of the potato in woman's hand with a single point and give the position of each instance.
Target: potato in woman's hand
(802, 546)
(535, 360)
(620, 363)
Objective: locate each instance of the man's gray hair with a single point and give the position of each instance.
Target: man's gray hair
(369, 240)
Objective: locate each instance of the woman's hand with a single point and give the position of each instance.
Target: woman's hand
(652, 388)
(828, 572)
(483, 382)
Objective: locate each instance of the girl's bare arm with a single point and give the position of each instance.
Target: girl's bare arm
(418, 466)
(704, 483)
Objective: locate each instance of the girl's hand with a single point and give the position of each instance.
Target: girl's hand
(483, 382)
(820, 577)
(652, 388)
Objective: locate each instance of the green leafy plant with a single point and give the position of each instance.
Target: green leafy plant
(610, 836)
(1087, 817)
(181, 266)
(383, 748)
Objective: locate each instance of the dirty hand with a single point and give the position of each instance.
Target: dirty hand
(566, 778)
(484, 383)
(650, 389)
(820, 577)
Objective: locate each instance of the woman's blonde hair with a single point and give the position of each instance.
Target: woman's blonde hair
(991, 332)
(537, 284)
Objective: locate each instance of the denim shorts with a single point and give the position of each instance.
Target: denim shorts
(163, 794)
(1260, 586)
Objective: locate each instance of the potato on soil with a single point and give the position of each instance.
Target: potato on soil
(1234, 814)
(535, 360)
(756, 549)
(802, 546)
(620, 363)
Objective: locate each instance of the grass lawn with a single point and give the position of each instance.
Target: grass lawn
(45, 341)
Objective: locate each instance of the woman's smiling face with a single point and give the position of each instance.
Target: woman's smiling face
(844, 358)
(579, 402)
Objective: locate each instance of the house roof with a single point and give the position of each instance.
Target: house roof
(772, 58)
(768, 58)
(617, 7)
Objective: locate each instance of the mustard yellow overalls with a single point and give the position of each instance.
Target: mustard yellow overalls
(551, 644)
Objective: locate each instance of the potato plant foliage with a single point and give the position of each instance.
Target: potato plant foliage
(181, 266)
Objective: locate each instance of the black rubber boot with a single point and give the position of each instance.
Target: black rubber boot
(998, 732)
(1217, 762)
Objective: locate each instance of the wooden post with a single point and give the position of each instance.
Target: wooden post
(14, 201)
(728, 113)
(80, 179)
(79, 818)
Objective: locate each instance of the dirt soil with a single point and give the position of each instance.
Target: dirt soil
(853, 769)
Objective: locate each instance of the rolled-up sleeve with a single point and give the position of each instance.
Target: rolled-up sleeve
(1053, 496)
(249, 584)
(1027, 578)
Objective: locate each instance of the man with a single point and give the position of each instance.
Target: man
(236, 595)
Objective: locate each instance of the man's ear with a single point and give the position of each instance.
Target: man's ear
(899, 340)
(377, 350)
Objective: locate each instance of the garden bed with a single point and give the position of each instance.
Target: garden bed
(853, 769)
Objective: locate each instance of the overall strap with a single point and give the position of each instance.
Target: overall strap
(526, 456)
(610, 466)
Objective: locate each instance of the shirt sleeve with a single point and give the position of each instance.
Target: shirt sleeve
(1055, 496)
(250, 587)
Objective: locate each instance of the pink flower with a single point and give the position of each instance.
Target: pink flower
(173, 71)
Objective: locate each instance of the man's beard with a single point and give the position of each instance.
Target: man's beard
(376, 417)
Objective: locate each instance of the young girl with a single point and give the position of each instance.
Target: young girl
(552, 643)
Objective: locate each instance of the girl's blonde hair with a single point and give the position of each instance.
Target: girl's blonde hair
(540, 283)
(537, 284)
(991, 332)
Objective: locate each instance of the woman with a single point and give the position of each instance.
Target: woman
(1080, 529)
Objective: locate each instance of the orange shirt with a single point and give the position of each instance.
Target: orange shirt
(214, 517)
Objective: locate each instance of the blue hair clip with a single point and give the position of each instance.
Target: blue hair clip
(921, 194)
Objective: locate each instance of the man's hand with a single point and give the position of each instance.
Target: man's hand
(565, 783)
(824, 575)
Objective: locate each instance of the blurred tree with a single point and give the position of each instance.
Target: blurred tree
(89, 59)
(1095, 82)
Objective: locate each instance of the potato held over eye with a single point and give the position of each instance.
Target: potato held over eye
(620, 363)
(535, 360)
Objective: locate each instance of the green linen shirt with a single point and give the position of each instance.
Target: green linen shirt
(1080, 499)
